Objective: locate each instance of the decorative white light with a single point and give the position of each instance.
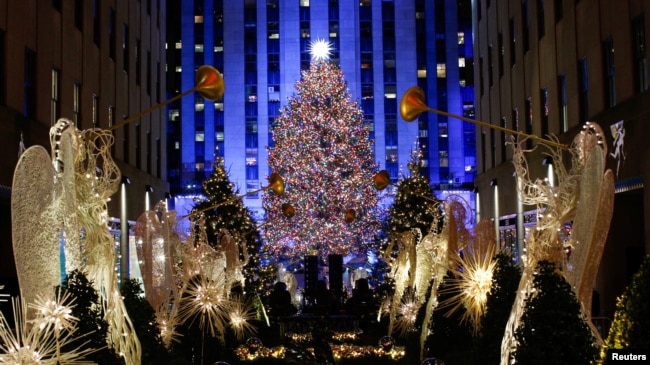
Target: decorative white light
(320, 49)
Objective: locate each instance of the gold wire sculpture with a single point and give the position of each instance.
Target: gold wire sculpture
(71, 192)
(584, 194)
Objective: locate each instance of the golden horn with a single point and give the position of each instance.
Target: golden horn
(209, 83)
(276, 183)
(412, 105)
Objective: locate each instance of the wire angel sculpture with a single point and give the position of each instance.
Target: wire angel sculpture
(60, 201)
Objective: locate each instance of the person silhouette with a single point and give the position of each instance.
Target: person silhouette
(280, 301)
(362, 303)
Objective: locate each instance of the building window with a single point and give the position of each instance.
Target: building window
(97, 29)
(529, 122)
(29, 84)
(562, 98)
(559, 11)
(138, 61)
(543, 96)
(515, 119)
(126, 141)
(111, 113)
(501, 51)
(493, 147)
(583, 90)
(481, 75)
(610, 79)
(111, 33)
(461, 38)
(95, 106)
(76, 103)
(513, 42)
(504, 122)
(54, 103)
(525, 24)
(125, 47)
(148, 151)
(138, 143)
(483, 152)
(490, 66)
(541, 27)
(79, 14)
(2, 67)
(148, 73)
(441, 70)
(158, 158)
(640, 59)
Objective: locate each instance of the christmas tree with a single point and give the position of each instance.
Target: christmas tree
(505, 282)
(631, 325)
(415, 205)
(88, 310)
(553, 329)
(224, 214)
(321, 149)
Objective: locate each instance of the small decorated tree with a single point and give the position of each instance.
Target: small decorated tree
(415, 204)
(223, 213)
(88, 310)
(505, 282)
(553, 329)
(631, 325)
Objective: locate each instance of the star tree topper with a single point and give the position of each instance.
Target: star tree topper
(320, 49)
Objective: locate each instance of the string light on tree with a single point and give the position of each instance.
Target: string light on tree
(322, 150)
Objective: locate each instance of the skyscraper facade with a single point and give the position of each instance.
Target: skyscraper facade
(383, 49)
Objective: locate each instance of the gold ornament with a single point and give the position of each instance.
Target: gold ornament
(288, 210)
(381, 180)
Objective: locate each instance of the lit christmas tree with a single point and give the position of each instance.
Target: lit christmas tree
(321, 149)
(224, 213)
(415, 205)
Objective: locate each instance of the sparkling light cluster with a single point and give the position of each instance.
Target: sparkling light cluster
(340, 351)
(321, 149)
(472, 284)
(39, 340)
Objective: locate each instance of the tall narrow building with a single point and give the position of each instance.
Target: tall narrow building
(383, 49)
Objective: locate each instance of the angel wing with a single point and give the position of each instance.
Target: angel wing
(35, 234)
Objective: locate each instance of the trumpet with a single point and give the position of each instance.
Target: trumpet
(412, 105)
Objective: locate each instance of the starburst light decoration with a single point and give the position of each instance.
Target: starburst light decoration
(472, 284)
(240, 315)
(40, 344)
(204, 296)
(320, 50)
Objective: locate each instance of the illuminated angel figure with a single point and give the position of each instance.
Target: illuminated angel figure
(618, 133)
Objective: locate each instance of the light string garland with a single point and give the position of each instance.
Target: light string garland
(321, 149)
